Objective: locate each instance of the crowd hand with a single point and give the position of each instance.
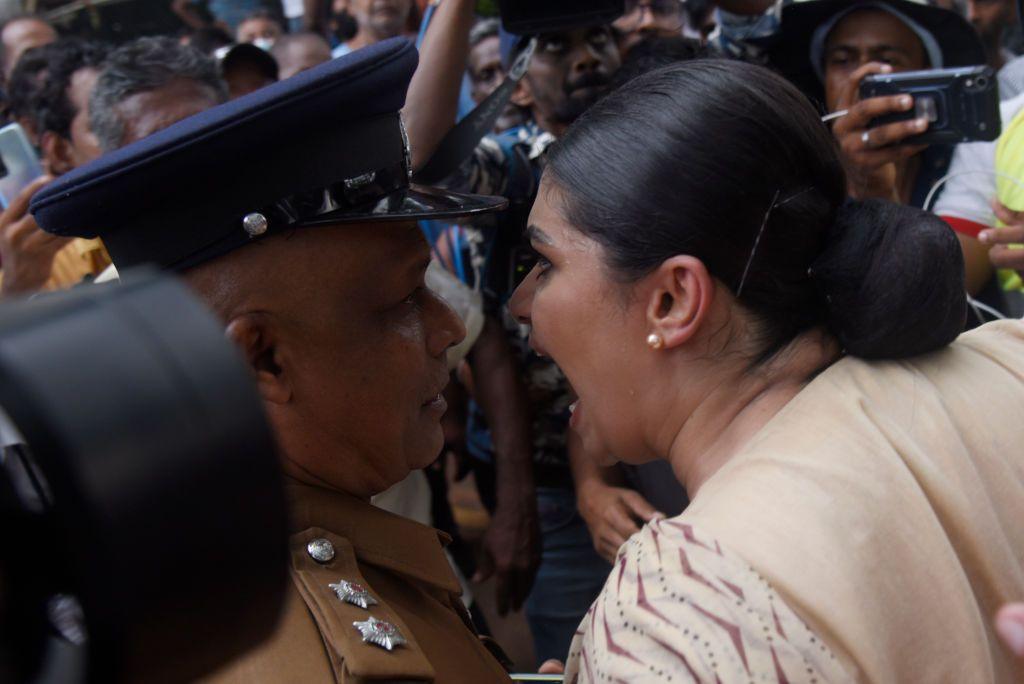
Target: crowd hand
(1003, 253)
(613, 515)
(511, 552)
(26, 251)
(552, 667)
(870, 155)
(1010, 627)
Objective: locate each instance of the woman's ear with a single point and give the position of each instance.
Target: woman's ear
(255, 337)
(679, 300)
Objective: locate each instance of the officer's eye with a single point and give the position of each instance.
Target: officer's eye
(553, 45)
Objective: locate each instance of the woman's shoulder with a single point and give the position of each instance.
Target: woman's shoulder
(678, 601)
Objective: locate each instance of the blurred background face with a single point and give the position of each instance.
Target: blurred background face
(299, 53)
(991, 18)
(21, 35)
(486, 74)
(148, 112)
(864, 36)
(649, 18)
(84, 145)
(259, 31)
(570, 71)
(383, 18)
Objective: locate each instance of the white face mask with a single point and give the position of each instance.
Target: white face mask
(264, 43)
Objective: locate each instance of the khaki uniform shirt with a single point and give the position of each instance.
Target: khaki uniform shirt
(402, 565)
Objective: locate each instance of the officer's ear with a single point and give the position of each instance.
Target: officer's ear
(255, 337)
(522, 96)
(57, 158)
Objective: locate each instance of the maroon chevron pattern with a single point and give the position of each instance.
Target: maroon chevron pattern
(679, 607)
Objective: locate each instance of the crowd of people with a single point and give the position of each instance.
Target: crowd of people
(720, 352)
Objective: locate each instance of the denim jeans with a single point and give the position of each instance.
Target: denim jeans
(570, 576)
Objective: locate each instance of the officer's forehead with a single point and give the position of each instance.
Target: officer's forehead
(363, 247)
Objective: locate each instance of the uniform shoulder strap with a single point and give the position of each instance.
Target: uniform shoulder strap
(324, 569)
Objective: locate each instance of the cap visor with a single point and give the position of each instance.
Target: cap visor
(417, 202)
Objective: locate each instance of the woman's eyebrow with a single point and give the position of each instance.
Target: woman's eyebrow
(535, 234)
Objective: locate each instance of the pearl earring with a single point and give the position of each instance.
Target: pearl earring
(654, 341)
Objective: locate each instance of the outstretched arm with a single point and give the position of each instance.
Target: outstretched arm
(433, 99)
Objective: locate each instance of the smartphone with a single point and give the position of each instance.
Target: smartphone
(19, 164)
(528, 17)
(961, 105)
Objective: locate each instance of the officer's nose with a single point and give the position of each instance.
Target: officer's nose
(446, 328)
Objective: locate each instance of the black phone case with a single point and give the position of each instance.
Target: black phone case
(966, 103)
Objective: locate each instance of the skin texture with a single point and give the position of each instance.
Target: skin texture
(642, 23)
(569, 72)
(148, 112)
(486, 74)
(347, 345)
(60, 154)
(299, 53)
(250, 30)
(990, 19)
(243, 79)
(1002, 242)
(26, 251)
(873, 42)
(21, 35)
(378, 20)
(697, 399)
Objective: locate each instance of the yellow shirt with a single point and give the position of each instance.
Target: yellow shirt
(1010, 164)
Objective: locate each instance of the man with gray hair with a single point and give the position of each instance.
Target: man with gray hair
(149, 84)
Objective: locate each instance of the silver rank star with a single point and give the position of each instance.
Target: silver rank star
(354, 593)
(380, 633)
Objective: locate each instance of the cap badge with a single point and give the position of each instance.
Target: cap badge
(255, 224)
(320, 550)
(354, 593)
(380, 633)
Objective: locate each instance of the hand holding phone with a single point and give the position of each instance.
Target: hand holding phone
(870, 154)
(26, 251)
(959, 105)
(19, 164)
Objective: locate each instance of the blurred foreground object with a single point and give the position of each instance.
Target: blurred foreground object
(155, 499)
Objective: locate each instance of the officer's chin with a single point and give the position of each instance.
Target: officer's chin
(425, 449)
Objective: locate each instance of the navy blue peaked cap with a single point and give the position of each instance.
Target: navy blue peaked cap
(324, 147)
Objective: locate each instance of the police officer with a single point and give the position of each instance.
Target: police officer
(290, 212)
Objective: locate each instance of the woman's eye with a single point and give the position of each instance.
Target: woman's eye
(543, 266)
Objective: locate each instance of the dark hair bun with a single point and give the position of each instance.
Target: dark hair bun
(893, 280)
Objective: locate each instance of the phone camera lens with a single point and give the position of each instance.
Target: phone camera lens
(981, 82)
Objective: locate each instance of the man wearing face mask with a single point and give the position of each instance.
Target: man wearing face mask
(570, 70)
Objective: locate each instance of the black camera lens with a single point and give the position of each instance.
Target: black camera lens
(981, 82)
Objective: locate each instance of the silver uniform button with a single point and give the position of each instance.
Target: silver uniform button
(255, 224)
(380, 633)
(320, 550)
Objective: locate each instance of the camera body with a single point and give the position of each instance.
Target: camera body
(961, 105)
(528, 17)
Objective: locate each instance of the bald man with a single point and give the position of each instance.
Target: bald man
(306, 246)
(20, 34)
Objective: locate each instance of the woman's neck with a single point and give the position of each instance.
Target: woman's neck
(740, 403)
